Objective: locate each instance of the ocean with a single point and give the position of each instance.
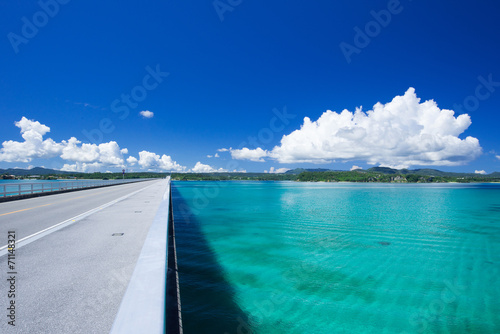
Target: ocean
(14, 187)
(25, 185)
(292, 257)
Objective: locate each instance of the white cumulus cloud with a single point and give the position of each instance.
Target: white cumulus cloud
(81, 157)
(132, 160)
(354, 167)
(150, 160)
(82, 167)
(202, 168)
(111, 154)
(81, 153)
(482, 172)
(401, 133)
(108, 154)
(33, 146)
(147, 114)
(277, 171)
(498, 157)
(247, 154)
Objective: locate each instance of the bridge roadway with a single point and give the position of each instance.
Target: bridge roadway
(71, 278)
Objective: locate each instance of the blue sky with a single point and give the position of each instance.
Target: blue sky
(237, 76)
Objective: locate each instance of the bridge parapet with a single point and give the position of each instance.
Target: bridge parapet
(151, 303)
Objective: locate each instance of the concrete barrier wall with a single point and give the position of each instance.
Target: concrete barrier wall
(151, 303)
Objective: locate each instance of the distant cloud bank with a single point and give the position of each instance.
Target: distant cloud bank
(83, 156)
(399, 134)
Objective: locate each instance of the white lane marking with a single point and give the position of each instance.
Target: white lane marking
(40, 234)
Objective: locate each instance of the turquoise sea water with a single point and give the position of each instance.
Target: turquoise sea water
(289, 257)
(13, 185)
(2, 182)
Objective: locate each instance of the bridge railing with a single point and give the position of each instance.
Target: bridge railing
(25, 188)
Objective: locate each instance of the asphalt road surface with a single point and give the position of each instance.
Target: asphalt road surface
(74, 256)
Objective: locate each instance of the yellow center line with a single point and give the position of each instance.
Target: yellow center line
(35, 207)
(8, 213)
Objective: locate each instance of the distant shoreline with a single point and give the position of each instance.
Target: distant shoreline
(371, 175)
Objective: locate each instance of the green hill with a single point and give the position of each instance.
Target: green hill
(33, 171)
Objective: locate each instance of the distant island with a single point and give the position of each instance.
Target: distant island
(375, 174)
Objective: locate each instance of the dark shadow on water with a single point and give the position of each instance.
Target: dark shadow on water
(207, 299)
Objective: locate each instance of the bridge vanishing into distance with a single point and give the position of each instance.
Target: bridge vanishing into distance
(98, 260)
